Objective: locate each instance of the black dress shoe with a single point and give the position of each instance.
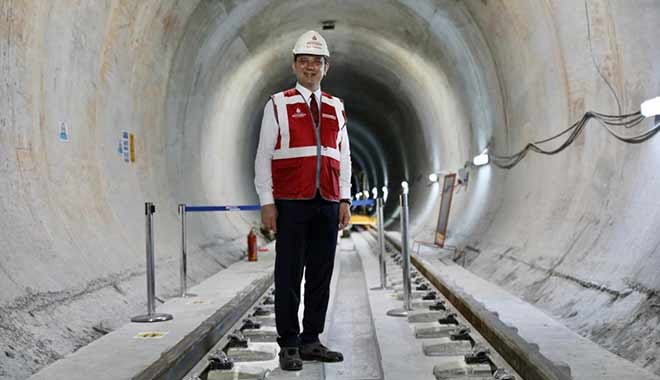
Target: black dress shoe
(290, 359)
(317, 351)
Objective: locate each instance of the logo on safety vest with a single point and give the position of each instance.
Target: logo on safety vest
(298, 114)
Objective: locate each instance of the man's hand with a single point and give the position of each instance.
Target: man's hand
(269, 216)
(344, 214)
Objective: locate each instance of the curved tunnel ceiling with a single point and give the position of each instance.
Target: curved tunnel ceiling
(403, 92)
(427, 85)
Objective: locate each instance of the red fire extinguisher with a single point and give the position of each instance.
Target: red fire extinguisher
(252, 246)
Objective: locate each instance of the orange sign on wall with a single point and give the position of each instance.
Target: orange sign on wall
(132, 146)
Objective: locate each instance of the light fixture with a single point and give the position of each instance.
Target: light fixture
(385, 191)
(481, 159)
(358, 196)
(404, 186)
(433, 177)
(366, 194)
(651, 107)
(374, 192)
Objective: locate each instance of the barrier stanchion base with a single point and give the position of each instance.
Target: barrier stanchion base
(398, 312)
(157, 317)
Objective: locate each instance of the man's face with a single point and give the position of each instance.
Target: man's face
(309, 70)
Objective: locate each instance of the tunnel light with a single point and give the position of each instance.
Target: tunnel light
(358, 196)
(384, 189)
(481, 159)
(374, 192)
(433, 177)
(651, 107)
(366, 194)
(404, 186)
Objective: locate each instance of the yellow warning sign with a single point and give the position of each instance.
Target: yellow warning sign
(151, 335)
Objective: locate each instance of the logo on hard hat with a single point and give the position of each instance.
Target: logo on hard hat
(311, 43)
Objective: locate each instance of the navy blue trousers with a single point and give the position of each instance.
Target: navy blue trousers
(306, 240)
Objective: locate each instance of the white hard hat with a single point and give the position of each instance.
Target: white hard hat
(311, 43)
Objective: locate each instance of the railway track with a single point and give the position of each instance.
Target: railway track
(441, 342)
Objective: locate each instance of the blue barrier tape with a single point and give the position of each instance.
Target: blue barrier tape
(363, 202)
(223, 208)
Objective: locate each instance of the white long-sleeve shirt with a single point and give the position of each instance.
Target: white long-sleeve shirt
(263, 179)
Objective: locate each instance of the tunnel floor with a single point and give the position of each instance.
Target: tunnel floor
(378, 346)
(375, 346)
(431, 343)
(350, 326)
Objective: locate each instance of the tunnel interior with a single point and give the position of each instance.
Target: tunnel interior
(427, 86)
(407, 91)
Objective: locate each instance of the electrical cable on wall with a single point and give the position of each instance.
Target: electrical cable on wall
(609, 122)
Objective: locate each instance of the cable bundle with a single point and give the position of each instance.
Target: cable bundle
(610, 122)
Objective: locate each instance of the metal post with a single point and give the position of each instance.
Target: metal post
(405, 254)
(151, 316)
(405, 244)
(151, 281)
(381, 243)
(184, 254)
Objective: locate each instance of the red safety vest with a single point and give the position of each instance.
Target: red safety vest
(295, 157)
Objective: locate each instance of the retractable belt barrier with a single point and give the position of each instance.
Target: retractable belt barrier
(183, 210)
(381, 244)
(363, 202)
(405, 255)
(222, 208)
(151, 316)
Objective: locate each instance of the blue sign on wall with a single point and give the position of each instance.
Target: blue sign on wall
(63, 133)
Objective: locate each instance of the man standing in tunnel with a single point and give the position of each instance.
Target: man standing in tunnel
(303, 171)
(302, 177)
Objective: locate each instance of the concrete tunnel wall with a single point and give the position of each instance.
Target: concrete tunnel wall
(427, 84)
